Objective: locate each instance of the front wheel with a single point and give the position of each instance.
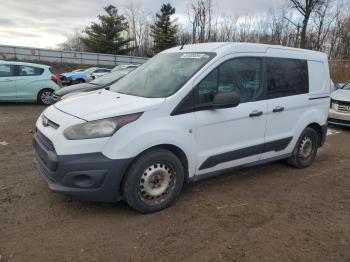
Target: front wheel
(45, 97)
(154, 180)
(306, 149)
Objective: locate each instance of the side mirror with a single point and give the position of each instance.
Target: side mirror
(226, 100)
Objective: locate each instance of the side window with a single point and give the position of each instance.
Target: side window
(30, 71)
(240, 75)
(208, 88)
(7, 70)
(286, 77)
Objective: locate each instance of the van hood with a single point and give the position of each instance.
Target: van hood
(103, 104)
(341, 95)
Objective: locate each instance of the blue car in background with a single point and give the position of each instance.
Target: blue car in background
(84, 76)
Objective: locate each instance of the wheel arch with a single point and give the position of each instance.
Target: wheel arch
(321, 131)
(170, 147)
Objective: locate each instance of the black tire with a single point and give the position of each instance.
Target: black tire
(305, 149)
(154, 181)
(45, 96)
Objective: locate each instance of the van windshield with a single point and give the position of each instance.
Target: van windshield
(162, 75)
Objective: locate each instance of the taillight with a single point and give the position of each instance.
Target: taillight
(54, 78)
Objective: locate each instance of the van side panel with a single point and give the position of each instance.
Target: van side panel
(319, 81)
(299, 110)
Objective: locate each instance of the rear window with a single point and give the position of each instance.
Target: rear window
(30, 70)
(286, 77)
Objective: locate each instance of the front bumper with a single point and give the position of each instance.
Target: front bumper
(339, 118)
(65, 81)
(90, 176)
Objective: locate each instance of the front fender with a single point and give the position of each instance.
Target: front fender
(129, 144)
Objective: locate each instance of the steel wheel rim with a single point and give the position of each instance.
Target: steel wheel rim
(306, 148)
(46, 97)
(157, 183)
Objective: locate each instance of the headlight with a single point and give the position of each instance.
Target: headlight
(99, 128)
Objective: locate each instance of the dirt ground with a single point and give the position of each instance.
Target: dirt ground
(267, 213)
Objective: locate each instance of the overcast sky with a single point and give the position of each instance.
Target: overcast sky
(46, 23)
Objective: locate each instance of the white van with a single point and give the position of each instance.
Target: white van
(188, 113)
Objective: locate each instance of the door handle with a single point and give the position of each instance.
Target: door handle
(255, 113)
(278, 109)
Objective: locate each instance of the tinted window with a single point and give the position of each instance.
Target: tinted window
(7, 70)
(30, 71)
(286, 77)
(240, 75)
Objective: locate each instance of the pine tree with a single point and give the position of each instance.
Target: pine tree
(164, 30)
(106, 36)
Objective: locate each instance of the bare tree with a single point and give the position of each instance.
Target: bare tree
(305, 8)
(200, 16)
(139, 22)
(322, 23)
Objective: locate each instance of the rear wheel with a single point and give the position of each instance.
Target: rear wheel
(154, 181)
(306, 149)
(45, 97)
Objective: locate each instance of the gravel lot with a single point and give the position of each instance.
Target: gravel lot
(267, 213)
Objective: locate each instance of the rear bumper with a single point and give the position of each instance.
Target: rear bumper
(92, 176)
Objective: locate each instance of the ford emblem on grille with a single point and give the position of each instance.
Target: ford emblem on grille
(45, 121)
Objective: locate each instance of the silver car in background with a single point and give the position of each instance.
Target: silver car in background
(339, 113)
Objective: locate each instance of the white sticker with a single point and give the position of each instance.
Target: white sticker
(194, 56)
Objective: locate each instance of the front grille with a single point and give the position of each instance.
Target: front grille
(343, 108)
(46, 142)
(343, 103)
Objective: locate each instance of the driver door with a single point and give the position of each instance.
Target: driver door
(233, 136)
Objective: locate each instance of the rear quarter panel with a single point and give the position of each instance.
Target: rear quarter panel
(28, 87)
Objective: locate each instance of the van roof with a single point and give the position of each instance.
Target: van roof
(23, 63)
(222, 48)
